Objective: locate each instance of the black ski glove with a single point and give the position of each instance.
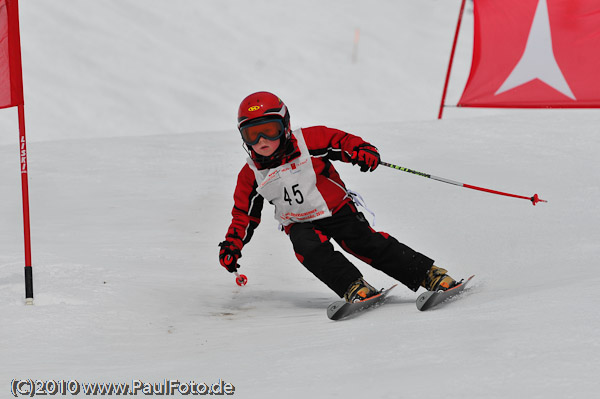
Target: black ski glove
(228, 256)
(366, 156)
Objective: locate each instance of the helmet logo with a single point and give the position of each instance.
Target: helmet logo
(254, 108)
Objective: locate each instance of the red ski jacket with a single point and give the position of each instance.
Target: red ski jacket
(324, 145)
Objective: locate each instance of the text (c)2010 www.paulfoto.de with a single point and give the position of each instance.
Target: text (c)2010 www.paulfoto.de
(30, 388)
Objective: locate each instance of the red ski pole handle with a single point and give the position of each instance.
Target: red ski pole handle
(241, 279)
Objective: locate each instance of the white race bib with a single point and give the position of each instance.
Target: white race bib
(292, 188)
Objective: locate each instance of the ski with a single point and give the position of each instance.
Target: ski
(429, 299)
(341, 309)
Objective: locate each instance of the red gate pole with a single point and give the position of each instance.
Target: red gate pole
(460, 15)
(26, 224)
(12, 95)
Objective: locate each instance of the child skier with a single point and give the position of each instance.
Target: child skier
(293, 171)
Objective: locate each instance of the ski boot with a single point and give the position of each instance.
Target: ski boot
(436, 279)
(359, 291)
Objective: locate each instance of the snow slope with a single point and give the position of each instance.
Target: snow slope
(133, 157)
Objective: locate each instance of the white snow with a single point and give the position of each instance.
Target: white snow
(133, 156)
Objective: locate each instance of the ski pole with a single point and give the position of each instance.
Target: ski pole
(240, 279)
(534, 200)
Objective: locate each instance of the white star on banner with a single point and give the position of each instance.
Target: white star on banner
(538, 62)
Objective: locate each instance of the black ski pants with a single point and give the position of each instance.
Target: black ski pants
(352, 232)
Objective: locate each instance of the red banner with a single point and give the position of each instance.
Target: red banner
(11, 78)
(535, 54)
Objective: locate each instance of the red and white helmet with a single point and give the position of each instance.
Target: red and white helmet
(263, 106)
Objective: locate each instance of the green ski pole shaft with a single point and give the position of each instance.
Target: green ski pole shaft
(534, 199)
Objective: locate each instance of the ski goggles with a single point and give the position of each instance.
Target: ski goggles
(270, 130)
